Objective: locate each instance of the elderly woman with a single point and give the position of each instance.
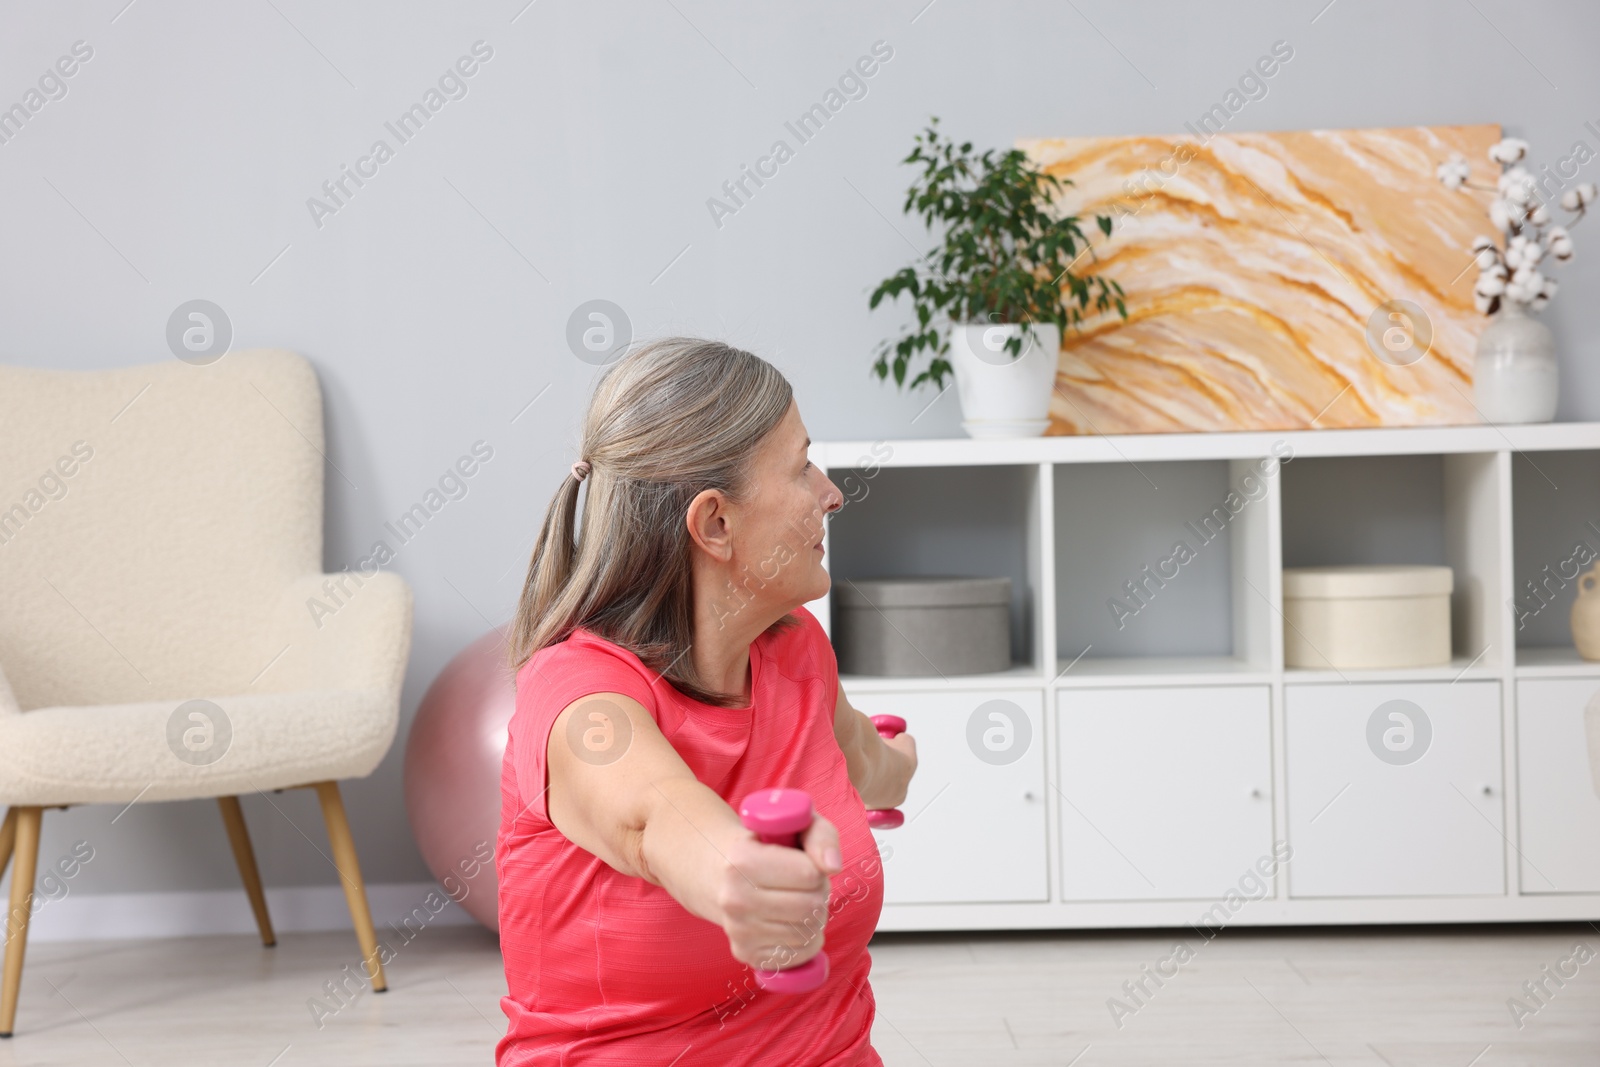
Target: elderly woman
(665, 670)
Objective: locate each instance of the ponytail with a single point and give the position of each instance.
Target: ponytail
(549, 569)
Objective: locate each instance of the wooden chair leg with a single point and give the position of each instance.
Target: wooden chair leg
(245, 857)
(355, 891)
(22, 875)
(8, 838)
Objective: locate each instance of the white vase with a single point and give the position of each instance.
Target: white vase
(1002, 395)
(1514, 373)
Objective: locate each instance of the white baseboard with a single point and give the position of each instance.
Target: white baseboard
(118, 916)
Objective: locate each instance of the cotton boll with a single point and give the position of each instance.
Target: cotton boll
(1558, 243)
(1508, 151)
(1513, 211)
(1540, 215)
(1489, 285)
(1517, 185)
(1481, 242)
(1579, 197)
(1453, 173)
(1487, 259)
(1500, 215)
(1525, 286)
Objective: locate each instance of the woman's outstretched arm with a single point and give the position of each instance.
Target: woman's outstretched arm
(880, 770)
(619, 790)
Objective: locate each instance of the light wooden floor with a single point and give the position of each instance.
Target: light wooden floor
(1412, 997)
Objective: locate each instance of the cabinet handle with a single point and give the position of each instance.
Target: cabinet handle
(1027, 794)
(1488, 791)
(1255, 794)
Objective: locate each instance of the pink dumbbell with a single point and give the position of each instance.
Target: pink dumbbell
(887, 818)
(779, 817)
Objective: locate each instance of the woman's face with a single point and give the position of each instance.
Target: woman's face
(777, 559)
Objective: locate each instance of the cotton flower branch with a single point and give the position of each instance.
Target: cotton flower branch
(1508, 268)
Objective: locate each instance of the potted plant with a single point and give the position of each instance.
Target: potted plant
(1514, 369)
(994, 297)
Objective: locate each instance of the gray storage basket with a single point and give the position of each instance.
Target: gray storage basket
(896, 627)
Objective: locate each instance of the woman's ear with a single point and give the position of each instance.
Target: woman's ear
(709, 526)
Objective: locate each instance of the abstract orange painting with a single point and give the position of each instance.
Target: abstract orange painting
(1313, 279)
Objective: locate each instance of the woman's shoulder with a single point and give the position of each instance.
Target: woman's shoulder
(583, 646)
(580, 664)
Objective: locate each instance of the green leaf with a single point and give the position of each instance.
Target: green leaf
(1005, 252)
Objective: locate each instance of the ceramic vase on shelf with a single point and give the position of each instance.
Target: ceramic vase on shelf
(1514, 372)
(1004, 395)
(1586, 615)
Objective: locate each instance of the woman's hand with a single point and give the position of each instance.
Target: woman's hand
(906, 746)
(773, 899)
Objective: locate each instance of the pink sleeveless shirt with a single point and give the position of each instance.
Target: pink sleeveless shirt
(604, 968)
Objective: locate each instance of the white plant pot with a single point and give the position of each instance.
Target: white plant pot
(1002, 395)
(1514, 375)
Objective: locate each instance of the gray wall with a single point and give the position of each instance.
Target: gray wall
(577, 167)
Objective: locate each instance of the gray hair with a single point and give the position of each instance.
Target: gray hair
(671, 419)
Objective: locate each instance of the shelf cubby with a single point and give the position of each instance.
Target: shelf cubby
(1427, 509)
(971, 521)
(1556, 528)
(1154, 568)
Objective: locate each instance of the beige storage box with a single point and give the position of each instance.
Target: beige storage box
(1356, 618)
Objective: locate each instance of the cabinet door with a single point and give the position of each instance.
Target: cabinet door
(974, 829)
(1395, 789)
(1559, 816)
(1165, 793)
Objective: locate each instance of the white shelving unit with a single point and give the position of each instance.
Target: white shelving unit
(1138, 766)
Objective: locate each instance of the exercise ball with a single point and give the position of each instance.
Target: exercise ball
(452, 773)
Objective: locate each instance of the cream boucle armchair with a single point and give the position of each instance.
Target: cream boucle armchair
(160, 549)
